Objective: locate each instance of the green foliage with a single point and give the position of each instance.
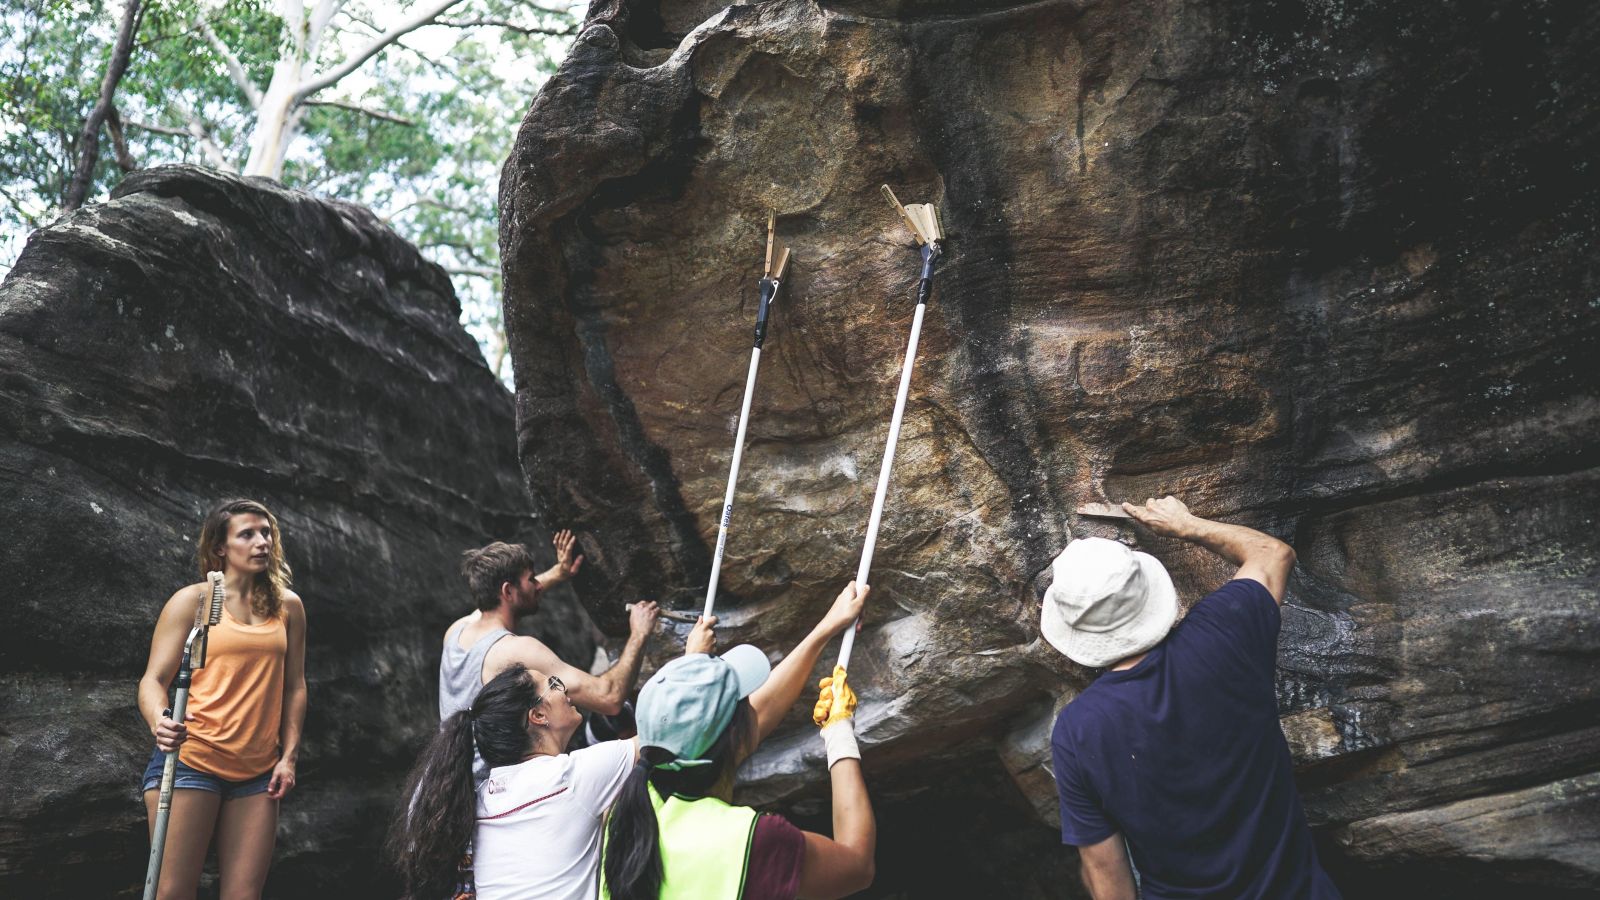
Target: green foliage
(48, 83)
(418, 135)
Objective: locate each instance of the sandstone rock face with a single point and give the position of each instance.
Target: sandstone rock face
(1325, 269)
(200, 337)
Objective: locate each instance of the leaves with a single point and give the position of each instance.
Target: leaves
(435, 180)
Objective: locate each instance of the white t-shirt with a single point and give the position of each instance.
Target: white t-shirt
(538, 835)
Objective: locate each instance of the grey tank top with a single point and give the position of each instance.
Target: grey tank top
(460, 679)
(461, 671)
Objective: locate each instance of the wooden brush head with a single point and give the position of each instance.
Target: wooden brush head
(921, 218)
(775, 248)
(212, 609)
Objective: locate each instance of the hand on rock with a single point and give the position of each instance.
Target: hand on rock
(566, 565)
(642, 618)
(1168, 517)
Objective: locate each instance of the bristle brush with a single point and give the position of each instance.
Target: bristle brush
(218, 594)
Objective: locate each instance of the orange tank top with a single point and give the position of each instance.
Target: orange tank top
(237, 700)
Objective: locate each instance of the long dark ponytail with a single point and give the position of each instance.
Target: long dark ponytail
(430, 835)
(632, 867)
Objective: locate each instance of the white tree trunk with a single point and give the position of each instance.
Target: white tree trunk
(275, 121)
(275, 118)
(279, 112)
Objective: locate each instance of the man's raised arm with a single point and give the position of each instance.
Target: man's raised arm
(602, 693)
(1259, 556)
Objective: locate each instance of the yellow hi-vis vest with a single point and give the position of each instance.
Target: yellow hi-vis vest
(705, 848)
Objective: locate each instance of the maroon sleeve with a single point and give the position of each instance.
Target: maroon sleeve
(776, 854)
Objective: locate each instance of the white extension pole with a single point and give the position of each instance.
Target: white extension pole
(733, 479)
(770, 281)
(883, 474)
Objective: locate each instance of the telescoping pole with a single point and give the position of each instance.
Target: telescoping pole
(207, 614)
(158, 836)
(771, 278)
(924, 224)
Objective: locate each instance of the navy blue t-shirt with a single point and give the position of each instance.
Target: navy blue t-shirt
(1182, 755)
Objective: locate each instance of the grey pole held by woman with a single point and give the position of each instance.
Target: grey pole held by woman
(194, 657)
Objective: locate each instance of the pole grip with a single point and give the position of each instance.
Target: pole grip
(930, 254)
(169, 772)
(769, 290)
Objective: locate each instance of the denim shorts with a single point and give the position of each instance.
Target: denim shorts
(192, 779)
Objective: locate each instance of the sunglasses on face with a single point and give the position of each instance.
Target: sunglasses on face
(553, 684)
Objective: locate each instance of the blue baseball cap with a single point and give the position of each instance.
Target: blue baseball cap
(685, 706)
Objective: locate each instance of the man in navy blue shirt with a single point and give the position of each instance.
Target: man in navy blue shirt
(1174, 755)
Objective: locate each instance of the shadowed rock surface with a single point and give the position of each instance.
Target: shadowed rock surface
(202, 336)
(1326, 269)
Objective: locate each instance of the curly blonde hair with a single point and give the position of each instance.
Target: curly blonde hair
(267, 598)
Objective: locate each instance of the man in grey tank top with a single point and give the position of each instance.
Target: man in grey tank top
(479, 646)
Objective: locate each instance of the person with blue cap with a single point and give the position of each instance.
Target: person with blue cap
(673, 833)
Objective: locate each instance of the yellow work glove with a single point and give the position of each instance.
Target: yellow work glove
(836, 702)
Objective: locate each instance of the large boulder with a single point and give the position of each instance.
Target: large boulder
(1325, 269)
(198, 337)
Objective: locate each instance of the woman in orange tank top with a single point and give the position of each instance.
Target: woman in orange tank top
(240, 742)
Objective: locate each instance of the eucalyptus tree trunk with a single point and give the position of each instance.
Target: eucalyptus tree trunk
(281, 107)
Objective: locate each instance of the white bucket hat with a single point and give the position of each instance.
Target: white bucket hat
(1107, 602)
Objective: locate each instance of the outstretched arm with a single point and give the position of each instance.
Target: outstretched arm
(844, 864)
(602, 693)
(1105, 870)
(1260, 557)
(773, 700)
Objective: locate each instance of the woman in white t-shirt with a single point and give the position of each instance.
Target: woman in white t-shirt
(534, 824)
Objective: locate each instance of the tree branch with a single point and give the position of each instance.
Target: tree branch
(158, 129)
(119, 143)
(366, 110)
(197, 130)
(439, 67)
(236, 71)
(328, 79)
(509, 26)
(17, 206)
(89, 140)
(323, 14)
